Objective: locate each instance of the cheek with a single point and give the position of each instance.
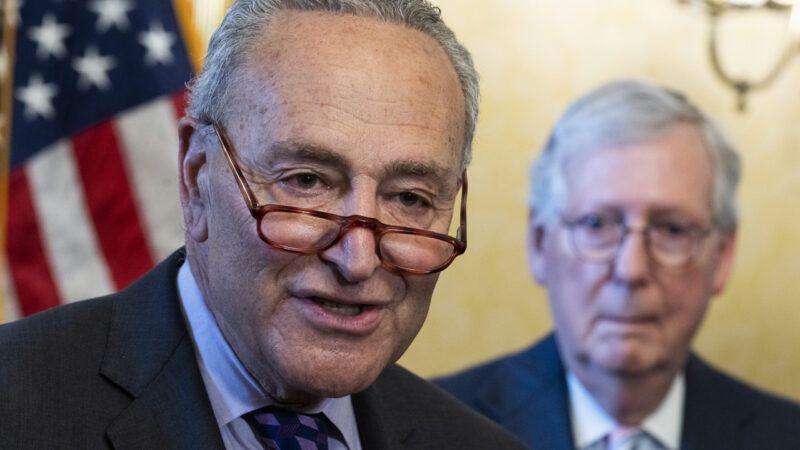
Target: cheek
(574, 289)
(411, 312)
(686, 299)
(573, 285)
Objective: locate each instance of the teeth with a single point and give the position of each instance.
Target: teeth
(338, 308)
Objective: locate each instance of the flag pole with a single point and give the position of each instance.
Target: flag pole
(187, 20)
(8, 41)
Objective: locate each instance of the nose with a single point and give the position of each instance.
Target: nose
(631, 264)
(355, 256)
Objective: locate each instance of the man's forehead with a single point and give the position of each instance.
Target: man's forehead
(672, 172)
(305, 92)
(320, 32)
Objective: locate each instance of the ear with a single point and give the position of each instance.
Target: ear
(192, 168)
(537, 263)
(725, 252)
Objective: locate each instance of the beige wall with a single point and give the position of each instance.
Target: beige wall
(534, 57)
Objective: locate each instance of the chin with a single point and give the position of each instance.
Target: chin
(628, 362)
(332, 375)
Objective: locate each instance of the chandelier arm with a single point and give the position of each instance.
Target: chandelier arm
(741, 83)
(716, 63)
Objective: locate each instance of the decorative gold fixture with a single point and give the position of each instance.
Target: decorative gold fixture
(716, 9)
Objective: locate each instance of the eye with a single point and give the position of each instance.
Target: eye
(410, 200)
(305, 180)
(673, 229)
(303, 185)
(596, 222)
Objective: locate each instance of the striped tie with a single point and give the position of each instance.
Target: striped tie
(644, 441)
(623, 438)
(287, 430)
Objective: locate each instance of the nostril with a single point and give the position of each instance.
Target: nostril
(355, 256)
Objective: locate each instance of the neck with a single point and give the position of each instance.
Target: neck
(628, 398)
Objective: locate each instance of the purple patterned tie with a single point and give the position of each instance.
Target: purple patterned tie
(280, 429)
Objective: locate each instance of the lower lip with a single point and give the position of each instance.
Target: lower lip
(327, 320)
(625, 322)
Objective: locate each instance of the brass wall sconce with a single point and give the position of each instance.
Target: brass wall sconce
(716, 9)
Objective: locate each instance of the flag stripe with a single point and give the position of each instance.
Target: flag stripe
(111, 203)
(68, 235)
(34, 283)
(150, 146)
(95, 195)
(179, 103)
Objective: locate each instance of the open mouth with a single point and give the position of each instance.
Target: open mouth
(341, 308)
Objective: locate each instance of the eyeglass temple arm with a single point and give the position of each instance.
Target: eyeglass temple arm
(462, 229)
(237, 172)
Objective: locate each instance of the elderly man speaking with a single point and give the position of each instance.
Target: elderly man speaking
(324, 150)
(631, 231)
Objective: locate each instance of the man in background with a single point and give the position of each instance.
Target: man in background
(324, 148)
(632, 226)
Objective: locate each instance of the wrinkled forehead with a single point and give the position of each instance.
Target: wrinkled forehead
(339, 83)
(672, 170)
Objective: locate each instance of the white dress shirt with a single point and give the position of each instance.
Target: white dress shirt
(232, 390)
(590, 422)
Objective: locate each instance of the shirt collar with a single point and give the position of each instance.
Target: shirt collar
(590, 422)
(232, 391)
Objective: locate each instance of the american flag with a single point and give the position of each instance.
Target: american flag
(98, 86)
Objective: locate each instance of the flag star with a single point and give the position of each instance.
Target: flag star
(50, 37)
(111, 13)
(93, 69)
(38, 97)
(157, 41)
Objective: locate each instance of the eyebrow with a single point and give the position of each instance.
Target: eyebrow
(431, 171)
(303, 151)
(417, 169)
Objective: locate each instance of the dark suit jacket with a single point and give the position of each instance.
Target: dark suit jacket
(120, 372)
(527, 394)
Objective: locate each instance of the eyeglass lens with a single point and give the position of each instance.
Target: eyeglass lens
(601, 243)
(306, 233)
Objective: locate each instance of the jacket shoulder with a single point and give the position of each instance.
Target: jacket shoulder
(440, 421)
(50, 377)
(496, 382)
(58, 335)
(734, 409)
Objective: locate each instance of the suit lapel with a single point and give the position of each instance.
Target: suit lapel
(369, 418)
(548, 412)
(534, 404)
(713, 416)
(172, 412)
(150, 355)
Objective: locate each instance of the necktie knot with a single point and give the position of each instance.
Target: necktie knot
(281, 429)
(626, 438)
(621, 435)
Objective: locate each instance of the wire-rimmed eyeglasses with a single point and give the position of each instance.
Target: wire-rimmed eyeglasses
(309, 231)
(597, 238)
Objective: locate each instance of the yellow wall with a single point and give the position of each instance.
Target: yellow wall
(534, 57)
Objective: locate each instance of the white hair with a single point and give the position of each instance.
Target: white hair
(246, 20)
(625, 113)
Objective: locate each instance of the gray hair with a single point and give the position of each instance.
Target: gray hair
(625, 113)
(246, 19)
